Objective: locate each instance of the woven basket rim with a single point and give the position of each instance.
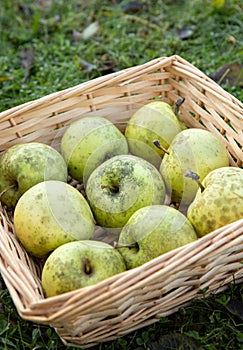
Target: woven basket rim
(150, 65)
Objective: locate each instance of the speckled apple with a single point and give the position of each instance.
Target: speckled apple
(80, 264)
(50, 214)
(24, 165)
(192, 149)
(120, 186)
(152, 231)
(153, 121)
(221, 201)
(88, 142)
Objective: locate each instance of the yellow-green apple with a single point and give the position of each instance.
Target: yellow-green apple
(153, 121)
(120, 186)
(88, 142)
(24, 165)
(79, 264)
(219, 200)
(152, 231)
(50, 214)
(195, 149)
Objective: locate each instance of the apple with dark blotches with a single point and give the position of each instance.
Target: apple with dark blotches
(80, 264)
(50, 214)
(218, 201)
(152, 231)
(120, 186)
(154, 121)
(24, 165)
(195, 149)
(88, 142)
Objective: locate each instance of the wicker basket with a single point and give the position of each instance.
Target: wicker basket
(138, 297)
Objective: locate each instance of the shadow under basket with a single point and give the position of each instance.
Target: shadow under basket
(137, 297)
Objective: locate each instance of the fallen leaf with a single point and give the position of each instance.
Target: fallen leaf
(132, 7)
(232, 39)
(86, 66)
(231, 73)
(174, 341)
(87, 33)
(235, 307)
(90, 30)
(25, 10)
(26, 58)
(108, 66)
(77, 36)
(186, 31)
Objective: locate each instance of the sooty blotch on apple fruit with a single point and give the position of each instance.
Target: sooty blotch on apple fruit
(44, 219)
(127, 170)
(24, 165)
(55, 211)
(139, 183)
(152, 231)
(88, 142)
(195, 149)
(39, 196)
(217, 205)
(114, 177)
(79, 264)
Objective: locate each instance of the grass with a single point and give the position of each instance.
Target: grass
(206, 323)
(45, 48)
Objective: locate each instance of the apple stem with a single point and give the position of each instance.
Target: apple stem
(177, 105)
(87, 265)
(158, 144)
(194, 176)
(121, 245)
(6, 189)
(112, 188)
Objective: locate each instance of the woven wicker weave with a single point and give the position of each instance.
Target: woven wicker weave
(140, 296)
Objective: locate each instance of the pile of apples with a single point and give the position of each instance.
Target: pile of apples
(157, 186)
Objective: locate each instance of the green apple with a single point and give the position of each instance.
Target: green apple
(195, 149)
(120, 186)
(219, 201)
(153, 121)
(50, 214)
(79, 264)
(152, 231)
(88, 142)
(25, 165)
